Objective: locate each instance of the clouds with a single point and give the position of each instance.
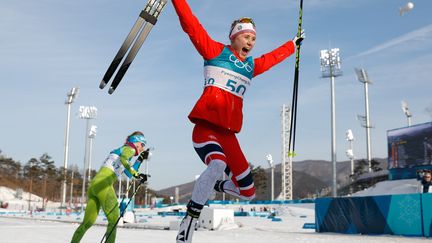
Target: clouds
(408, 41)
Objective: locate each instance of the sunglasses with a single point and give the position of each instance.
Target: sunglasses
(246, 20)
(243, 20)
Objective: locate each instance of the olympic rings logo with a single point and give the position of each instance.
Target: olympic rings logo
(240, 64)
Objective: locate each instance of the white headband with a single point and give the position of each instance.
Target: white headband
(240, 28)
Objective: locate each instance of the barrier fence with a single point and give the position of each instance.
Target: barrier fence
(402, 214)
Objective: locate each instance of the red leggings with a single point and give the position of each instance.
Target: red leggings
(214, 143)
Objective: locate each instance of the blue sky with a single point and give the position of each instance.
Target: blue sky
(47, 47)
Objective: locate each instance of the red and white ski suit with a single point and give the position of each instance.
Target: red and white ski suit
(217, 115)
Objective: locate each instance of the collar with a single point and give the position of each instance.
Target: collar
(132, 146)
(235, 53)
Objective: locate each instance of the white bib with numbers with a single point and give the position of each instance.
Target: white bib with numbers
(113, 162)
(228, 80)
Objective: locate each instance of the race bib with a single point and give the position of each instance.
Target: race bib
(227, 80)
(113, 163)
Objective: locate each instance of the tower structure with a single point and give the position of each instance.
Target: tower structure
(286, 165)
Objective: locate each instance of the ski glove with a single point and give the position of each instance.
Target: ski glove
(144, 155)
(134, 173)
(298, 39)
(142, 177)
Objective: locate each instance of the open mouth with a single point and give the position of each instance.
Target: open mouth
(245, 50)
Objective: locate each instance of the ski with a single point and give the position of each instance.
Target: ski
(147, 18)
(124, 47)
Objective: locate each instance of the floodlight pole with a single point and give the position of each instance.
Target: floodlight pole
(350, 151)
(407, 112)
(330, 68)
(86, 112)
(272, 167)
(177, 192)
(409, 120)
(91, 136)
(71, 189)
(352, 157)
(146, 197)
(363, 78)
(70, 99)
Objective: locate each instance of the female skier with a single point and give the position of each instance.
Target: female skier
(101, 190)
(217, 115)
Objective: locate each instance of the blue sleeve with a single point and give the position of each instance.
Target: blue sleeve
(135, 166)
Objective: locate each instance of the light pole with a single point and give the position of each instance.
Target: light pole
(146, 197)
(363, 77)
(70, 99)
(270, 162)
(71, 188)
(31, 163)
(92, 135)
(86, 112)
(406, 111)
(330, 68)
(350, 151)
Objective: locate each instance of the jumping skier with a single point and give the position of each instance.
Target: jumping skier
(101, 194)
(217, 115)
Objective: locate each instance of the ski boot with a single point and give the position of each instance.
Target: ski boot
(189, 223)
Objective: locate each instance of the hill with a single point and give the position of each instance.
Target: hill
(310, 178)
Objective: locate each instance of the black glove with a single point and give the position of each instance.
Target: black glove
(144, 155)
(142, 177)
(298, 39)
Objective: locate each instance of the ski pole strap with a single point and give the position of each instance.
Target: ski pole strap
(148, 17)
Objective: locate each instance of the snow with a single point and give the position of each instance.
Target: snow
(18, 226)
(21, 201)
(391, 188)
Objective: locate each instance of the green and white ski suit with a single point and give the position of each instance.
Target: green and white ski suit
(101, 194)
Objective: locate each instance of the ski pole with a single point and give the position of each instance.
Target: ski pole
(126, 194)
(106, 236)
(291, 143)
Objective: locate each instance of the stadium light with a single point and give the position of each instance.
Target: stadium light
(70, 99)
(331, 68)
(363, 77)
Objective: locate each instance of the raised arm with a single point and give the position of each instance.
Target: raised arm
(205, 45)
(266, 61)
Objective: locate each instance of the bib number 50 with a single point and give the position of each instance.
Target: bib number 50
(233, 87)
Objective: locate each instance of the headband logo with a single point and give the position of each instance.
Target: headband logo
(239, 27)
